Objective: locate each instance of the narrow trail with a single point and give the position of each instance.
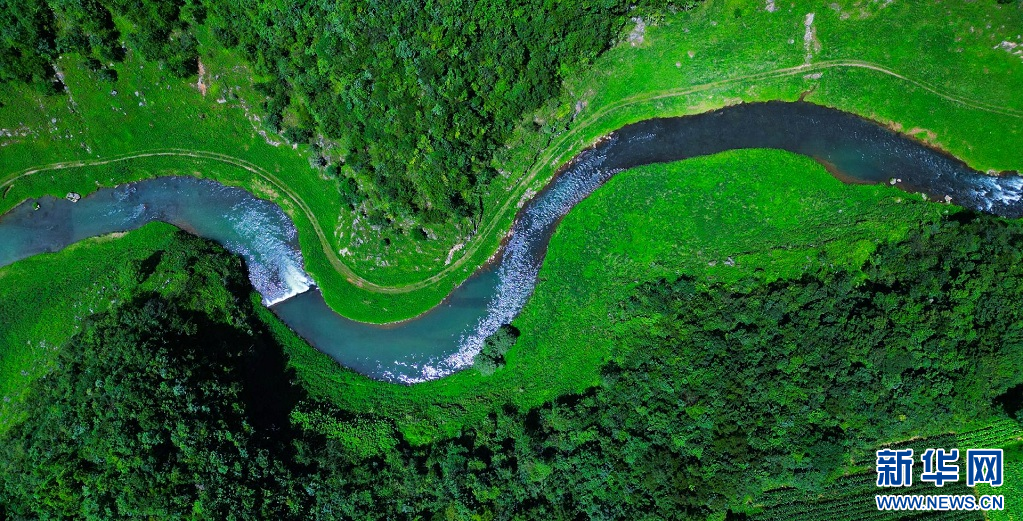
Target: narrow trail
(525, 181)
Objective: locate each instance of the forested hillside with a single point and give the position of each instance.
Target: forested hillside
(163, 407)
(419, 97)
(34, 33)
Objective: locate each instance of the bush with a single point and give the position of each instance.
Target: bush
(491, 356)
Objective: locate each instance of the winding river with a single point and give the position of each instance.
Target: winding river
(446, 338)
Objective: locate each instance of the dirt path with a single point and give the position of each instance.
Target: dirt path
(510, 205)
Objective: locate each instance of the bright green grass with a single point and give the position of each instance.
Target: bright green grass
(946, 45)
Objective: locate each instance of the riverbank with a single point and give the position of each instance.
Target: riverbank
(781, 216)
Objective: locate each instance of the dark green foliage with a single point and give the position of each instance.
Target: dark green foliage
(491, 356)
(33, 33)
(786, 379)
(85, 27)
(423, 94)
(351, 196)
(161, 30)
(155, 411)
(27, 42)
(1012, 402)
(107, 75)
(298, 134)
(712, 390)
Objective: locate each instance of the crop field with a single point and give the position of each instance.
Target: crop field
(852, 497)
(1008, 436)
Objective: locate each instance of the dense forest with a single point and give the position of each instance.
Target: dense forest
(165, 407)
(419, 97)
(34, 33)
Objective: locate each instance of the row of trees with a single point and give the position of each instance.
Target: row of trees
(161, 409)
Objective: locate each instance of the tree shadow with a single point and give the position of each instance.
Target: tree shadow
(1011, 401)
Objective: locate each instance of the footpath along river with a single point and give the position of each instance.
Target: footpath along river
(446, 338)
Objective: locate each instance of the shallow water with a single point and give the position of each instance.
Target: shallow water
(446, 338)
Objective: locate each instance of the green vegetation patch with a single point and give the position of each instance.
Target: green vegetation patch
(775, 214)
(158, 409)
(716, 392)
(49, 297)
